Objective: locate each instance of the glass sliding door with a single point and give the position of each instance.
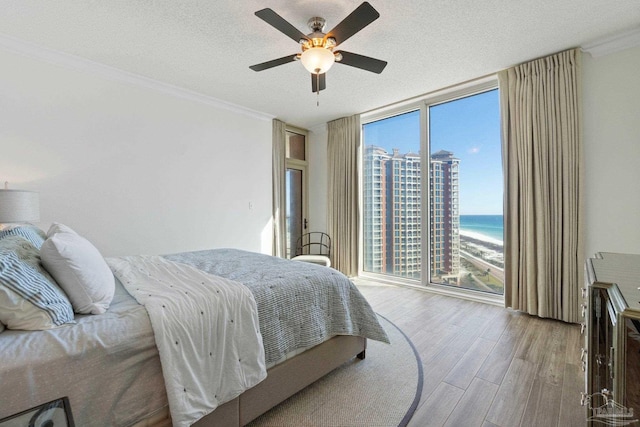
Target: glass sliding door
(296, 187)
(295, 212)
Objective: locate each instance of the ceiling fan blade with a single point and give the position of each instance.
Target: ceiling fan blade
(362, 16)
(318, 79)
(281, 24)
(362, 62)
(273, 63)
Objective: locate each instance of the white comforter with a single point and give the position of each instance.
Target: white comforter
(206, 329)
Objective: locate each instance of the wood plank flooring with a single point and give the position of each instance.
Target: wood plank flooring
(486, 365)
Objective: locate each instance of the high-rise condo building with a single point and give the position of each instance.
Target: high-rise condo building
(445, 217)
(375, 208)
(392, 214)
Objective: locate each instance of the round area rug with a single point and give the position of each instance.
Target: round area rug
(381, 391)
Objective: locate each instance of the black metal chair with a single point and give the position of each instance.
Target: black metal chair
(314, 247)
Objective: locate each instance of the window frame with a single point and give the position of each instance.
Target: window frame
(422, 103)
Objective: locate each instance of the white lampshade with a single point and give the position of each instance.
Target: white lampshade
(19, 206)
(317, 60)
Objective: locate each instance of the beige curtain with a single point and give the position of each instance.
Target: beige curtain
(542, 155)
(279, 190)
(343, 156)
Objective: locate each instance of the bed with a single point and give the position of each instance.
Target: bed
(311, 320)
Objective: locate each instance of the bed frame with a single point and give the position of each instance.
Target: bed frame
(286, 379)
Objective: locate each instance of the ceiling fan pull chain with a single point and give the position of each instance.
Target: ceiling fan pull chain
(318, 88)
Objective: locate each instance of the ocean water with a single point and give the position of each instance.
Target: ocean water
(490, 226)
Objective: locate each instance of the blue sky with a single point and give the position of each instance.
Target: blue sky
(470, 128)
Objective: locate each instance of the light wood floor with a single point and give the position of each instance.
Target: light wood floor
(486, 365)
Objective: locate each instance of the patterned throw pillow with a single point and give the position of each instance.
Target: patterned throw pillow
(29, 298)
(30, 232)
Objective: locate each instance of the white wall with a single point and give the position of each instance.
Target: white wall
(133, 169)
(611, 117)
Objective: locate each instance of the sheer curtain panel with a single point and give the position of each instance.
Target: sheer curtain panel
(279, 188)
(542, 155)
(343, 154)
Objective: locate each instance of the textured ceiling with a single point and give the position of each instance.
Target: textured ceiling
(207, 46)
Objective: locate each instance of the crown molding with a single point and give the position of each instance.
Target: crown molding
(108, 72)
(319, 128)
(613, 44)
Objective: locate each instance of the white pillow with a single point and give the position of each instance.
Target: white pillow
(59, 228)
(79, 269)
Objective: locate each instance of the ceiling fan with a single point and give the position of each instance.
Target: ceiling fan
(318, 53)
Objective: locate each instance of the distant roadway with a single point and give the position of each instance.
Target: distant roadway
(481, 264)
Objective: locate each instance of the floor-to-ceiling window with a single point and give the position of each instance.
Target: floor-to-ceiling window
(466, 192)
(392, 196)
(432, 192)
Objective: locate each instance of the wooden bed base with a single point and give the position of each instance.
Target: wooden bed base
(286, 379)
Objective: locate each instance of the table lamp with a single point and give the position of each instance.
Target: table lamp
(19, 206)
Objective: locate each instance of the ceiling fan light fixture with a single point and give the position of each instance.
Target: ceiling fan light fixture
(317, 60)
(317, 47)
